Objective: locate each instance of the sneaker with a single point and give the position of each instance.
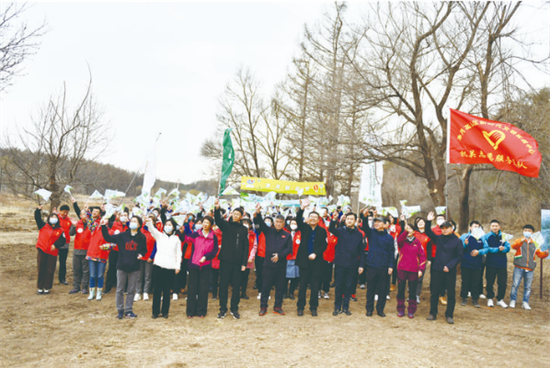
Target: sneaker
(476, 304)
(450, 320)
(120, 315)
(46, 292)
(98, 294)
(501, 303)
(347, 312)
(137, 297)
(154, 316)
(336, 312)
(512, 303)
(74, 291)
(369, 314)
(375, 297)
(381, 314)
(411, 315)
(165, 316)
(314, 312)
(40, 292)
(417, 300)
(362, 286)
(279, 311)
(400, 314)
(469, 294)
(263, 311)
(525, 305)
(84, 291)
(174, 296)
(353, 297)
(236, 315)
(259, 296)
(482, 296)
(325, 295)
(392, 287)
(319, 295)
(221, 315)
(490, 303)
(464, 302)
(214, 298)
(431, 318)
(64, 282)
(189, 317)
(130, 315)
(300, 312)
(145, 296)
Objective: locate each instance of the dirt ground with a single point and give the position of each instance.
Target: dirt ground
(62, 330)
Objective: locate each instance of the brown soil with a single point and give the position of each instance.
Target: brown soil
(65, 330)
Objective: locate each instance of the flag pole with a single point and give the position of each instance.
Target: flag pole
(137, 171)
(447, 161)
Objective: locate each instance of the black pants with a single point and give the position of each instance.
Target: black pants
(162, 281)
(362, 278)
(440, 281)
(354, 281)
(344, 278)
(46, 269)
(110, 281)
(327, 277)
(308, 278)
(197, 294)
(215, 281)
(273, 276)
(470, 282)
(259, 264)
(244, 282)
(292, 284)
(63, 253)
(377, 283)
(492, 274)
(230, 273)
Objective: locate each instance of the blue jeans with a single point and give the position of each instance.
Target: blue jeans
(527, 276)
(97, 270)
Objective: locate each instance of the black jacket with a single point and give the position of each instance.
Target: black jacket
(319, 246)
(349, 252)
(129, 247)
(449, 249)
(276, 242)
(234, 248)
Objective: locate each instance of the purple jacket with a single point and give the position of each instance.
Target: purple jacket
(411, 254)
(206, 247)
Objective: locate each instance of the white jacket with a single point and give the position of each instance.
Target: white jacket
(168, 254)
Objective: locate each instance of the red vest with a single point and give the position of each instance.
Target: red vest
(215, 260)
(66, 224)
(330, 252)
(261, 246)
(295, 245)
(82, 237)
(95, 242)
(46, 237)
(150, 243)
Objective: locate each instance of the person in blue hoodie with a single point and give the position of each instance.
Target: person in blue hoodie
(379, 263)
(472, 260)
(496, 264)
(348, 254)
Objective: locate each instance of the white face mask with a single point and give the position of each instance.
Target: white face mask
(440, 221)
(168, 229)
(268, 223)
(198, 226)
(293, 227)
(133, 226)
(370, 223)
(53, 221)
(123, 219)
(246, 225)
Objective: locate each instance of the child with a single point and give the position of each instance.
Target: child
(524, 262)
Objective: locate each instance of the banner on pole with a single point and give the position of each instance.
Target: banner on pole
(228, 159)
(282, 186)
(370, 191)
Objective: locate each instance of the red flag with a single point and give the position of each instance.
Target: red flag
(474, 140)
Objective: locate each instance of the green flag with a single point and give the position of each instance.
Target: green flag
(228, 158)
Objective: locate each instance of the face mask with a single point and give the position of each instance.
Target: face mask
(133, 226)
(288, 222)
(123, 219)
(527, 234)
(268, 223)
(198, 227)
(53, 221)
(168, 229)
(370, 223)
(293, 227)
(440, 221)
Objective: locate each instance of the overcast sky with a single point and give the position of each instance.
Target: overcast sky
(162, 67)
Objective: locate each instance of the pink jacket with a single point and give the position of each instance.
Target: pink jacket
(204, 246)
(411, 254)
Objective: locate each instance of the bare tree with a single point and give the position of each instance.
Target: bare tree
(50, 152)
(17, 42)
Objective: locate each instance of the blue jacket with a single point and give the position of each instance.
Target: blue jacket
(495, 257)
(349, 251)
(449, 249)
(473, 244)
(381, 248)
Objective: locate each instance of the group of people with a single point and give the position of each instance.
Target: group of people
(215, 249)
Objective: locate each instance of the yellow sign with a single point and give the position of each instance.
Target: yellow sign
(281, 186)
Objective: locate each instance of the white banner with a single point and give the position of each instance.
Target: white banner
(150, 171)
(370, 191)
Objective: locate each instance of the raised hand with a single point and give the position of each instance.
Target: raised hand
(217, 203)
(431, 216)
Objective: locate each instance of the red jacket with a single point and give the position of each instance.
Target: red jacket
(261, 245)
(216, 261)
(424, 240)
(66, 224)
(95, 242)
(330, 252)
(296, 240)
(150, 243)
(82, 237)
